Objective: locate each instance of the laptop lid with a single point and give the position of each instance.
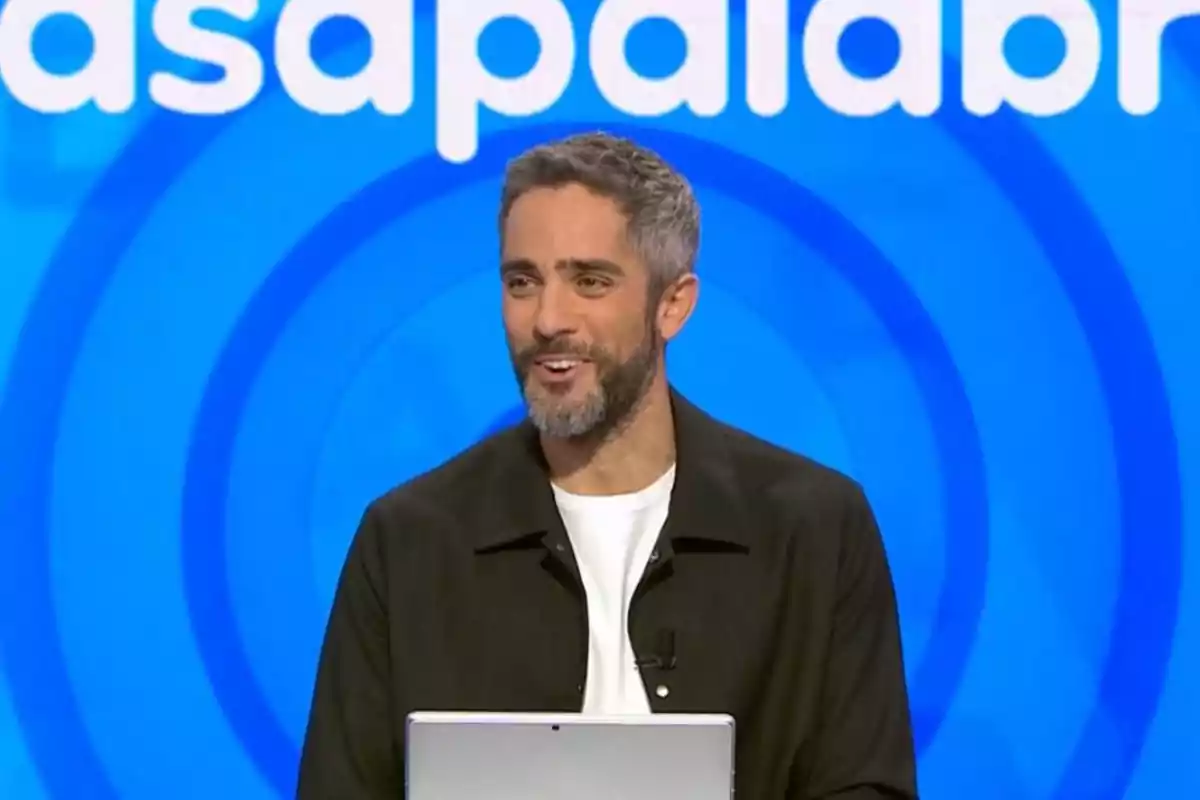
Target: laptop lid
(518, 756)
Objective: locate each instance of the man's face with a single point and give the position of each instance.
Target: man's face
(580, 324)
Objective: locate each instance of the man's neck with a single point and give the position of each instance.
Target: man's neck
(639, 453)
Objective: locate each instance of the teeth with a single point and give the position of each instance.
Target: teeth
(561, 364)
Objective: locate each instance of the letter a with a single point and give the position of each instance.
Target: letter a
(107, 79)
(915, 82)
(386, 81)
(700, 82)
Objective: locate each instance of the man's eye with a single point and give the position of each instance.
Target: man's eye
(592, 282)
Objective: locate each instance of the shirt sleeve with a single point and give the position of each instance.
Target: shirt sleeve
(350, 751)
(864, 746)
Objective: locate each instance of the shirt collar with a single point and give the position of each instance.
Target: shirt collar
(707, 503)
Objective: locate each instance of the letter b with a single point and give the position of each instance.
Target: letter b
(989, 81)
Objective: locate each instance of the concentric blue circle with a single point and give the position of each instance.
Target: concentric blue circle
(418, 183)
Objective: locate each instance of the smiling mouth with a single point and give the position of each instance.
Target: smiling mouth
(561, 367)
(560, 364)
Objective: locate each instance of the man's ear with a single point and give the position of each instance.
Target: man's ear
(676, 304)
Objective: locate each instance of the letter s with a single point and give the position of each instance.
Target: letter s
(242, 64)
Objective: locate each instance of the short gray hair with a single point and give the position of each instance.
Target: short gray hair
(662, 213)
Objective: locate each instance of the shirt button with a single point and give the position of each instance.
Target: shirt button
(653, 556)
(560, 547)
(661, 690)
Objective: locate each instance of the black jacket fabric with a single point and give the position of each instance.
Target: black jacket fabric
(769, 584)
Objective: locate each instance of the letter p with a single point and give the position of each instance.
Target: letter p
(464, 83)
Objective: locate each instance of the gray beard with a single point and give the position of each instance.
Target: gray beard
(567, 422)
(621, 389)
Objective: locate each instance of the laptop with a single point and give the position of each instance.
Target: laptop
(560, 756)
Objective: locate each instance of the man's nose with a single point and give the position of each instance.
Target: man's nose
(555, 314)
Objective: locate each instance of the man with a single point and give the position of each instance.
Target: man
(619, 551)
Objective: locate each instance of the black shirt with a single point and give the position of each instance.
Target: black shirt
(769, 584)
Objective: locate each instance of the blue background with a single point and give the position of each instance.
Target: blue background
(221, 337)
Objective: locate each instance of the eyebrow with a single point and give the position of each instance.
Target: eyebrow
(524, 265)
(593, 265)
(517, 265)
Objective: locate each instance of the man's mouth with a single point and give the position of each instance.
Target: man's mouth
(558, 367)
(559, 364)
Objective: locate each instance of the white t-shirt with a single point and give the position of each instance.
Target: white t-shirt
(613, 536)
